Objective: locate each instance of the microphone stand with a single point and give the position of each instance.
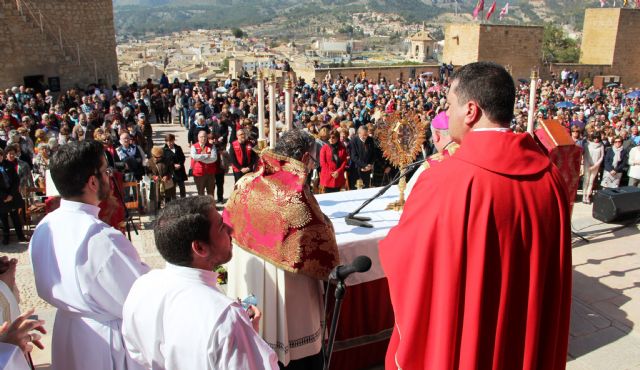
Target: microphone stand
(337, 306)
(353, 220)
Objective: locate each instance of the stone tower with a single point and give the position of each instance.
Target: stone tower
(422, 47)
(610, 38)
(57, 43)
(516, 47)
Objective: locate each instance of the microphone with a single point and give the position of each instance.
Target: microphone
(359, 264)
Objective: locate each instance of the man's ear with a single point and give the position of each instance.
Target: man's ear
(436, 136)
(199, 249)
(93, 183)
(473, 114)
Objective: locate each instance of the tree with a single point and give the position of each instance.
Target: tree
(237, 33)
(557, 47)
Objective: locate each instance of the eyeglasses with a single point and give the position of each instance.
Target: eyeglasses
(618, 141)
(108, 171)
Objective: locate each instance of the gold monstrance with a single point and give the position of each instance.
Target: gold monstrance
(401, 135)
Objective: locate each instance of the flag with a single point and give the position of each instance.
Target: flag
(491, 10)
(478, 9)
(505, 10)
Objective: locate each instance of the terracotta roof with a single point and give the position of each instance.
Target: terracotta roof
(421, 36)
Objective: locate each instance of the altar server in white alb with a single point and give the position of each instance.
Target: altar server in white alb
(82, 266)
(176, 318)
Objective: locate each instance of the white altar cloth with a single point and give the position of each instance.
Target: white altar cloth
(354, 241)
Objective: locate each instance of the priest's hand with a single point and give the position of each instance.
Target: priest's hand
(255, 319)
(18, 332)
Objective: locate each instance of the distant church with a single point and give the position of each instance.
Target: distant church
(422, 47)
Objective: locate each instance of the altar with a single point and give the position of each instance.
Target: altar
(366, 319)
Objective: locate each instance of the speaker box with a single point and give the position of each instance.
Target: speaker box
(616, 204)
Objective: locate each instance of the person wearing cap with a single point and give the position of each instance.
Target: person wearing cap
(162, 170)
(444, 144)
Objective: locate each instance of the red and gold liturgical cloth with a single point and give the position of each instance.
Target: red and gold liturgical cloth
(275, 216)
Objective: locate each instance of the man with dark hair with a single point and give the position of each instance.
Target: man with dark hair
(281, 235)
(177, 318)
(363, 155)
(82, 266)
(487, 283)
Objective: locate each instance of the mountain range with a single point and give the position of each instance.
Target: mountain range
(140, 17)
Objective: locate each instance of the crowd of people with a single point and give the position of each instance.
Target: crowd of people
(82, 137)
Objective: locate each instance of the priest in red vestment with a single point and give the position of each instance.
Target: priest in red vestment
(485, 281)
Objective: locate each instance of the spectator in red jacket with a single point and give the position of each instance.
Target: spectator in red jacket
(333, 161)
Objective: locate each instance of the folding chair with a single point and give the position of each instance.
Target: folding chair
(131, 196)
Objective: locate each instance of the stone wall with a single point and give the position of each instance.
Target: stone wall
(599, 35)
(518, 47)
(610, 38)
(88, 34)
(390, 73)
(626, 58)
(461, 43)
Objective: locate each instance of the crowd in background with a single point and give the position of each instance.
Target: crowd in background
(340, 111)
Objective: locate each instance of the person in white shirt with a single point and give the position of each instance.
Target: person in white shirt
(82, 266)
(176, 318)
(634, 166)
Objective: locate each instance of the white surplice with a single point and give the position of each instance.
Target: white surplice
(291, 304)
(85, 269)
(12, 358)
(176, 318)
(9, 309)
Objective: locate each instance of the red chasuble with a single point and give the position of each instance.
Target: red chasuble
(275, 216)
(479, 267)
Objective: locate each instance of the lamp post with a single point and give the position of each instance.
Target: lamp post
(272, 111)
(262, 140)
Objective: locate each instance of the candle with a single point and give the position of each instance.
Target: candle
(532, 101)
(272, 111)
(260, 87)
(288, 97)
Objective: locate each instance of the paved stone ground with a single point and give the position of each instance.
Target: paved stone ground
(606, 285)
